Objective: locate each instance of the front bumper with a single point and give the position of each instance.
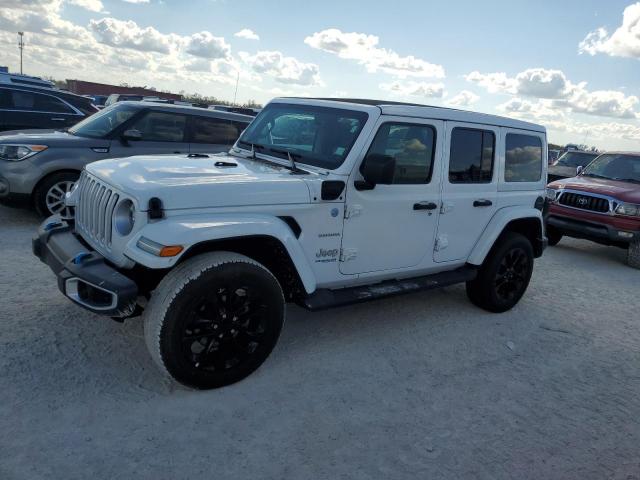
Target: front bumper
(595, 231)
(83, 274)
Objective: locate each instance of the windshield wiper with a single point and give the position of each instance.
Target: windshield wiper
(291, 157)
(633, 180)
(595, 175)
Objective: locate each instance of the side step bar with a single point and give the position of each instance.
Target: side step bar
(325, 298)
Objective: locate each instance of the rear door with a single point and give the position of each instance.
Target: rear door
(469, 188)
(28, 109)
(161, 131)
(212, 135)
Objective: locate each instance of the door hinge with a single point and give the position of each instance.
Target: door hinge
(352, 211)
(446, 207)
(442, 242)
(347, 254)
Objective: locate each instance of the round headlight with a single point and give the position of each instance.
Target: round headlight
(124, 217)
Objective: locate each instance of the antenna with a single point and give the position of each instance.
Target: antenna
(21, 47)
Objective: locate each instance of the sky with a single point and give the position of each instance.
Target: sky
(572, 65)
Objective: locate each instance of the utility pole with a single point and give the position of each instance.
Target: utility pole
(235, 95)
(21, 47)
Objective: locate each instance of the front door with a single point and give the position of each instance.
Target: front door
(162, 132)
(393, 226)
(469, 189)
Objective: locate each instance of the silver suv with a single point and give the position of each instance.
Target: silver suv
(38, 169)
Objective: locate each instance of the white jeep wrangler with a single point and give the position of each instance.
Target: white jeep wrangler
(321, 202)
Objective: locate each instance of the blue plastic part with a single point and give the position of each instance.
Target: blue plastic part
(51, 226)
(80, 257)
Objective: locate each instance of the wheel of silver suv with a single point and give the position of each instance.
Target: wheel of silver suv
(49, 197)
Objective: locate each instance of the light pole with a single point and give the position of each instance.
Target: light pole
(235, 94)
(21, 47)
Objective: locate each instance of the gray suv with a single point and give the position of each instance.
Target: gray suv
(38, 169)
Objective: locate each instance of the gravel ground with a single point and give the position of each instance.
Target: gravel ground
(420, 386)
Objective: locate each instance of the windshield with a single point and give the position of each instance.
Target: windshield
(575, 159)
(318, 136)
(104, 122)
(615, 166)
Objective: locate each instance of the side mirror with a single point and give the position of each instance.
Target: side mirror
(579, 170)
(132, 135)
(378, 169)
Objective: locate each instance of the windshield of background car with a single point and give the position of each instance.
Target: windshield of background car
(318, 136)
(104, 122)
(575, 159)
(615, 167)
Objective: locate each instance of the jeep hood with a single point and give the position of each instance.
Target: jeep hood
(218, 180)
(624, 191)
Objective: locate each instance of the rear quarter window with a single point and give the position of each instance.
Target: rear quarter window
(523, 158)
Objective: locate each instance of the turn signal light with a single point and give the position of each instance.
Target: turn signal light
(170, 251)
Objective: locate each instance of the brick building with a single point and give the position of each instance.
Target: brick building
(81, 87)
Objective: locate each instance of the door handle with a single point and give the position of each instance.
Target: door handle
(482, 203)
(57, 119)
(425, 206)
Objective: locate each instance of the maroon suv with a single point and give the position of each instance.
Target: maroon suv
(601, 204)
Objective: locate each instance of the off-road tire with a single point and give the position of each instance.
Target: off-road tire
(553, 235)
(173, 311)
(633, 254)
(41, 191)
(485, 291)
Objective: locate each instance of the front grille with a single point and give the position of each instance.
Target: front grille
(94, 210)
(584, 202)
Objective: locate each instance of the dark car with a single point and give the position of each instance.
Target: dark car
(601, 204)
(40, 168)
(122, 97)
(98, 100)
(566, 166)
(32, 103)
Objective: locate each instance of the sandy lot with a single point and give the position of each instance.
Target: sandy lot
(421, 386)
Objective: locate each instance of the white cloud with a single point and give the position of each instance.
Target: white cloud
(247, 34)
(414, 89)
(136, 1)
(493, 82)
(205, 45)
(91, 5)
(364, 49)
(463, 99)
(283, 69)
(624, 42)
(539, 110)
(553, 84)
(121, 33)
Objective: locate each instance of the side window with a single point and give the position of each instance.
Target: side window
(471, 155)
(47, 103)
(412, 146)
(161, 127)
(5, 98)
(213, 130)
(23, 100)
(523, 158)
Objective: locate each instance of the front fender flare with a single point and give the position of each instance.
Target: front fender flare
(189, 230)
(495, 228)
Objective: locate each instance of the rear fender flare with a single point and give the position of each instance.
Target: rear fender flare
(495, 228)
